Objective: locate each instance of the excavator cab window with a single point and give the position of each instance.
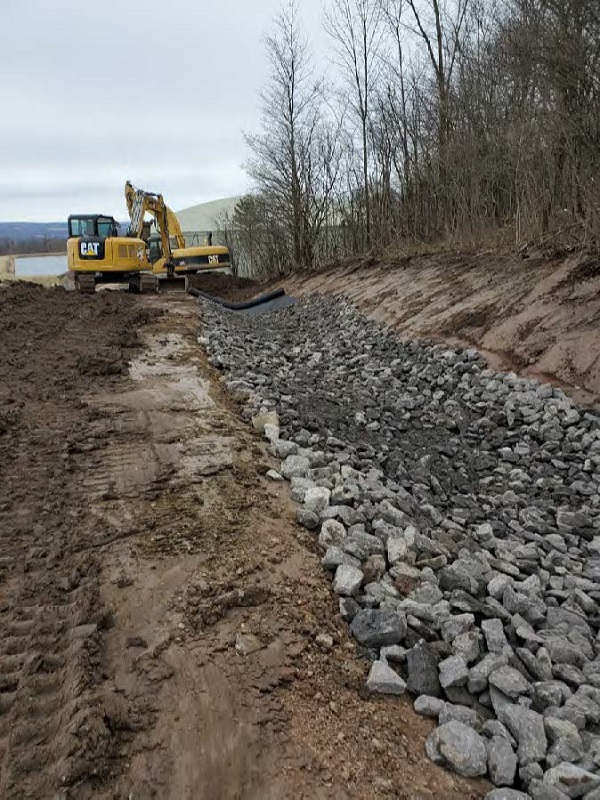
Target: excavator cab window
(107, 227)
(93, 225)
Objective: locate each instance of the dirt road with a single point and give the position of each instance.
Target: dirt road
(159, 607)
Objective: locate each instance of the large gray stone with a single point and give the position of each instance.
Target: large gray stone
(397, 549)
(459, 713)
(502, 761)
(378, 627)
(505, 793)
(453, 671)
(509, 681)
(347, 580)
(295, 466)
(335, 556)
(467, 645)
(459, 747)
(525, 725)
(571, 779)
(566, 744)
(362, 545)
(428, 706)
(332, 533)
(543, 791)
(317, 498)
(493, 630)
(479, 674)
(284, 448)
(455, 625)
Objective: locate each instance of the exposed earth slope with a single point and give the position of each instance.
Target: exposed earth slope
(538, 316)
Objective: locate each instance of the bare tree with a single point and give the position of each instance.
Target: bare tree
(291, 115)
(356, 28)
(467, 120)
(441, 28)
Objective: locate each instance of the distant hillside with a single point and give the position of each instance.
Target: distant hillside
(18, 231)
(205, 216)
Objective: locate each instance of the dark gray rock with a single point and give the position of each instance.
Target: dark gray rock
(422, 668)
(375, 628)
(543, 791)
(495, 638)
(349, 608)
(308, 518)
(332, 533)
(458, 713)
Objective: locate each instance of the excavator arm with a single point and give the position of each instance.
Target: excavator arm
(138, 203)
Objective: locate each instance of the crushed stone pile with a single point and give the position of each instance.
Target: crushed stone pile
(458, 513)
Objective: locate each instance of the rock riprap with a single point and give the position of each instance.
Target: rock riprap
(457, 510)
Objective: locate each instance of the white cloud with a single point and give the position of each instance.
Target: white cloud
(155, 92)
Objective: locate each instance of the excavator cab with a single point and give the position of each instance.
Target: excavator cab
(98, 253)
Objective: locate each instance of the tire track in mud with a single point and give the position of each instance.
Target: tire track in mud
(49, 659)
(57, 724)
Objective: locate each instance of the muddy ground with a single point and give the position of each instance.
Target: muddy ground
(538, 316)
(224, 286)
(158, 604)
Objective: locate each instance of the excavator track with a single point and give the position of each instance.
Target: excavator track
(143, 283)
(85, 283)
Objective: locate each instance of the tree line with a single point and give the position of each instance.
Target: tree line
(31, 245)
(435, 120)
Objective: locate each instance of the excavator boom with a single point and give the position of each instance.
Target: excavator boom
(138, 203)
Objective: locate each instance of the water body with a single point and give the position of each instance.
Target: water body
(41, 265)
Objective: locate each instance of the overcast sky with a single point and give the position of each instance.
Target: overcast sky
(157, 91)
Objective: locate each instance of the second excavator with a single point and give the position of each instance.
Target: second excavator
(167, 251)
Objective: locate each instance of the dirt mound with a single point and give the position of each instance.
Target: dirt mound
(538, 316)
(227, 287)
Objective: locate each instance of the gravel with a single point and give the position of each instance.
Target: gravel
(468, 500)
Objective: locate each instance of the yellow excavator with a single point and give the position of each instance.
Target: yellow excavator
(98, 253)
(167, 251)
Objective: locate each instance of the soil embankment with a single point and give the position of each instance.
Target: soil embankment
(537, 316)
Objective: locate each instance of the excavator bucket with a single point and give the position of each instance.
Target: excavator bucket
(143, 283)
(172, 284)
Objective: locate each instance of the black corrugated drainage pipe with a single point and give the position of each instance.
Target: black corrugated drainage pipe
(264, 298)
